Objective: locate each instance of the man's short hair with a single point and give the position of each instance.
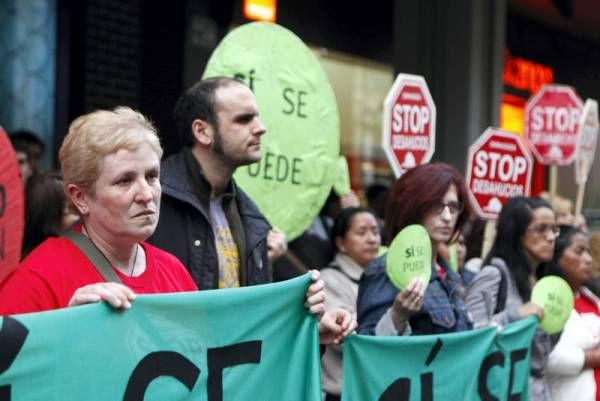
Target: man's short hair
(199, 102)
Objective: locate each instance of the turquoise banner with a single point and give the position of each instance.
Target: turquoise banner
(477, 365)
(253, 343)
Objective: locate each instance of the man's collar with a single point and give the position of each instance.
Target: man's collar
(201, 186)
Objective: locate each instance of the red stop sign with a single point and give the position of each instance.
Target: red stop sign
(408, 123)
(499, 168)
(551, 124)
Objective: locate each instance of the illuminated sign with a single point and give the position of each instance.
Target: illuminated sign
(260, 10)
(524, 74)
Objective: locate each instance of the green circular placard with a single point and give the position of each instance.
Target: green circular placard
(341, 185)
(453, 252)
(409, 256)
(555, 297)
(296, 103)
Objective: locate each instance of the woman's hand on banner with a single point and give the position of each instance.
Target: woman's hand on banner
(117, 295)
(315, 296)
(335, 325)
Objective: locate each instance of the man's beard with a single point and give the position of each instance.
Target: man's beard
(218, 143)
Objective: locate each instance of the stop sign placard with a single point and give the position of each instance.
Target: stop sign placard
(498, 168)
(586, 141)
(551, 124)
(408, 123)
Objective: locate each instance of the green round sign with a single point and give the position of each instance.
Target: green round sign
(296, 103)
(409, 256)
(453, 252)
(555, 297)
(341, 185)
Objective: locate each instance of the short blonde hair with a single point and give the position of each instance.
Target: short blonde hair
(95, 135)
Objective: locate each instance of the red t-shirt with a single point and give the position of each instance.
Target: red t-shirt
(49, 276)
(585, 305)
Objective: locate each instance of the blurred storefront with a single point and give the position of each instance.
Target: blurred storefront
(481, 60)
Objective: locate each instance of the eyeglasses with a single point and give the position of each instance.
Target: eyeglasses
(542, 229)
(453, 207)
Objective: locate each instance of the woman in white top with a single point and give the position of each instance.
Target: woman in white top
(573, 366)
(357, 240)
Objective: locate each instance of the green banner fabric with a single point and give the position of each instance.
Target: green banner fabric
(476, 365)
(297, 105)
(254, 343)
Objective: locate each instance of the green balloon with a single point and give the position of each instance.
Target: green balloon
(341, 185)
(409, 256)
(555, 297)
(296, 103)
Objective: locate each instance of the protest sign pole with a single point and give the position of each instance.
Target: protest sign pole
(553, 182)
(580, 189)
(489, 234)
(587, 138)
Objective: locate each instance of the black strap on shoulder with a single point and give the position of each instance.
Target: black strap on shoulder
(94, 255)
(336, 267)
(502, 289)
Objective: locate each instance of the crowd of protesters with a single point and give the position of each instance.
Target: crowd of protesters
(113, 187)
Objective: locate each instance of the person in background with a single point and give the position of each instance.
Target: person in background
(444, 251)
(500, 292)
(433, 195)
(573, 368)
(563, 208)
(593, 283)
(35, 148)
(315, 246)
(23, 159)
(377, 195)
(47, 213)
(473, 233)
(356, 239)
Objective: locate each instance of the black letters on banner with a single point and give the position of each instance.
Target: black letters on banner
(12, 338)
(515, 356)
(225, 357)
(399, 390)
(493, 359)
(156, 364)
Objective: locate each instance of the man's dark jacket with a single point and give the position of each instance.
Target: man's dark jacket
(184, 224)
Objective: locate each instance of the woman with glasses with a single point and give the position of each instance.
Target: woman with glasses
(500, 292)
(434, 196)
(574, 365)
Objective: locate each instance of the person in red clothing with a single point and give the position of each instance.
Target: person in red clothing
(574, 364)
(110, 162)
